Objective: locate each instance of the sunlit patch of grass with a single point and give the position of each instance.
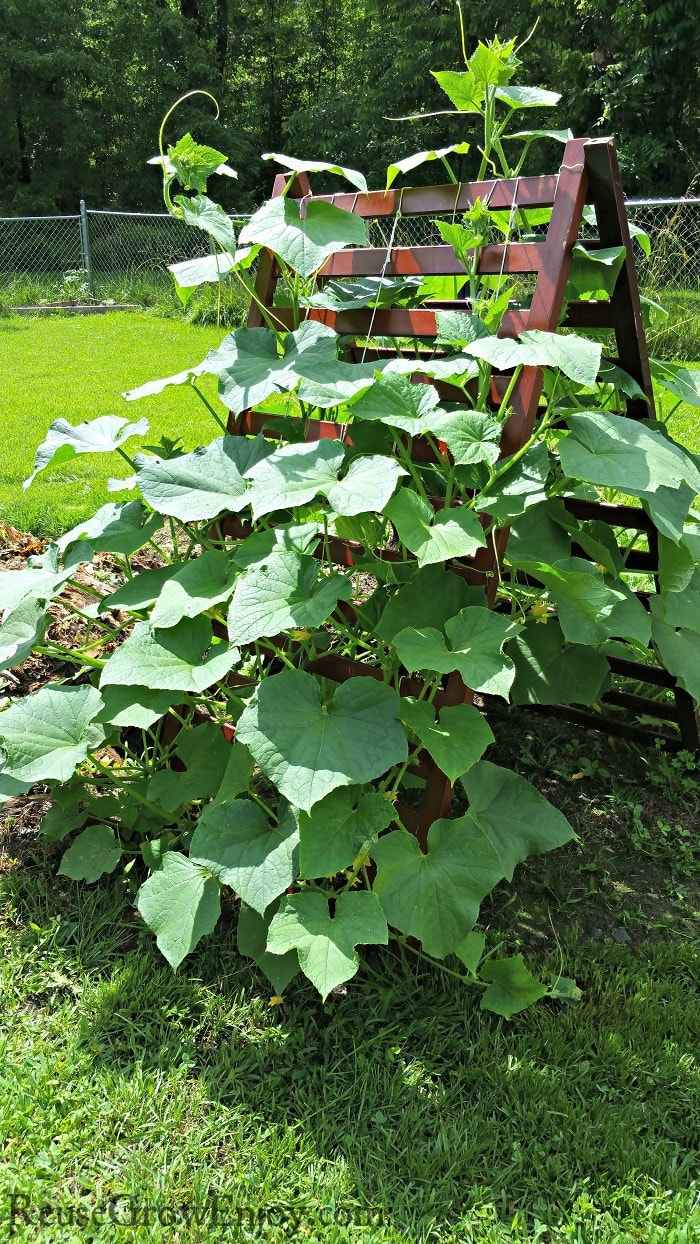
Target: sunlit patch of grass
(77, 368)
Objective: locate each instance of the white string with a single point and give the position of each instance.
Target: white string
(382, 274)
(343, 426)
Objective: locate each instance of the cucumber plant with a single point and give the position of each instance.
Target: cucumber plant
(191, 742)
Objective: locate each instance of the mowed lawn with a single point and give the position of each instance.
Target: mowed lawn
(141, 1105)
(76, 368)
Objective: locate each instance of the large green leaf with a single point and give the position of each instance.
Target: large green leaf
(250, 365)
(319, 166)
(476, 637)
(679, 608)
(434, 595)
(21, 630)
(679, 650)
(617, 378)
(594, 273)
(434, 536)
(458, 328)
(308, 747)
(331, 835)
(32, 583)
(10, 788)
(436, 896)
(203, 484)
(559, 136)
(235, 841)
(577, 357)
(592, 607)
(539, 528)
(456, 741)
(282, 537)
(364, 291)
(512, 987)
(303, 243)
(550, 671)
(408, 163)
(669, 508)
(251, 936)
(287, 590)
(96, 436)
(367, 485)
(118, 527)
(470, 435)
(293, 475)
(329, 383)
(677, 565)
(516, 818)
(204, 752)
(455, 368)
(180, 904)
(683, 382)
(94, 852)
(195, 587)
(182, 658)
(204, 214)
(237, 774)
(326, 944)
(139, 592)
(616, 452)
(462, 89)
(394, 399)
(189, 274)
(46, 735)
(521, 486)
(597, 539)
(135, 706)
(527, 97)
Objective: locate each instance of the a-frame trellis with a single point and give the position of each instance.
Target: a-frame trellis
(588, 175)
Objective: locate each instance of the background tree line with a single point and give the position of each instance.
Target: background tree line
(84, 84)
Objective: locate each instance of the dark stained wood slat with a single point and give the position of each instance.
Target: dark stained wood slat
(396, 322)
(426, 200)
(633, 517)
(513, 257)
(613, 230)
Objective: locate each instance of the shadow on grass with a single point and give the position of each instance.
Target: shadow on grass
(402, 1096)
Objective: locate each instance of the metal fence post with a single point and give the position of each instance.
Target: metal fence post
(85, 244)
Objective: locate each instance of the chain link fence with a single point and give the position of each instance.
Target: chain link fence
(108, 253)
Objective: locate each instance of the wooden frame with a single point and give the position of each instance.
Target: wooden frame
(588, 175)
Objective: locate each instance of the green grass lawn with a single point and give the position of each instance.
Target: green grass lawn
(403, 1103)
(77, 368)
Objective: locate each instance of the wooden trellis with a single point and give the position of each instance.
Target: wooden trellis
(588, 175)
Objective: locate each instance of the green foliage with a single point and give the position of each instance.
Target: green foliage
(90, 81)
(197, 703)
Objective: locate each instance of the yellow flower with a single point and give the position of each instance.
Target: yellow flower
(276, 1000)
(540, 611)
